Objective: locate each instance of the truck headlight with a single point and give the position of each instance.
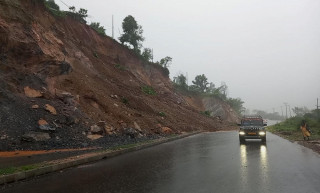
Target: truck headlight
(242, 133)
(262, 133)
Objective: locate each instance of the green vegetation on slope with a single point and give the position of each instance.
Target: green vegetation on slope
(202, 87)
(290, 128)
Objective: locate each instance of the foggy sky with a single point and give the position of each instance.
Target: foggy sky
(266, 51)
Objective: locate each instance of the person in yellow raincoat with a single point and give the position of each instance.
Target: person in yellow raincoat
(304, 130)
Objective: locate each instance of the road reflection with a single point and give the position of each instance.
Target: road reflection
(254, 162)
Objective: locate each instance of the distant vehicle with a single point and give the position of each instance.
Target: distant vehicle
(252, 127)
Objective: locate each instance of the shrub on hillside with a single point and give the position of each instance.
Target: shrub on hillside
(148, 90)
(100, 29)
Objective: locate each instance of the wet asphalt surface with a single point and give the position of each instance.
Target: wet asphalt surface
(208, 162)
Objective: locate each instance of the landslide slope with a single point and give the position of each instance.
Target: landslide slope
(61, 83)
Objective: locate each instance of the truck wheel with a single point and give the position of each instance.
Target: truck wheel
(264, 139)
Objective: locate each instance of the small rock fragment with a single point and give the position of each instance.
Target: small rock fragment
(94, 137)
(51, 109)
(46, 128)
(32, 93)
(137, 127)
(42, 122)
(35, 106)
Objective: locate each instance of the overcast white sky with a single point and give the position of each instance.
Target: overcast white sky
(266, 51)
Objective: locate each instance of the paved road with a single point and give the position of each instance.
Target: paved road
(209, 162)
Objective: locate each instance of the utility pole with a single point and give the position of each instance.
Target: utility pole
(318, 108)
(286, 104)
(152, 54)
(290, 110)
(112, 28)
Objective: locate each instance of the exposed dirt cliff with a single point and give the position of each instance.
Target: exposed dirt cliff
(64, 85)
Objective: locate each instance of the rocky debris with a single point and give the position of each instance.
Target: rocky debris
(32, 93)
(94, 136)
(51, 109)
(42, 122)
(65, 67)
(47, 128)
(109, 130)
(218, 118)
(56, 125)
(101, 128)
(70, 120)
(122, 124)
(68, 98)
(162, 130)
(35, 136)
(44, 125)
(3, 137)
(95, 129)
(132, 133)
(114, 96)
(101, 124)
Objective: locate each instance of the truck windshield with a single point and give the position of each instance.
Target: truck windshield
(252, 122)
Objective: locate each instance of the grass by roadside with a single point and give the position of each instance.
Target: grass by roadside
(11, 170)
(290, 129)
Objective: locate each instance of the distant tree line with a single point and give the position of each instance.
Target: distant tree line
(201, 86)
(266, 115)
(298, 112)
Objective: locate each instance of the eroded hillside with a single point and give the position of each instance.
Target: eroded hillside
(64, 85)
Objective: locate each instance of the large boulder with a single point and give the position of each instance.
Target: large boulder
(95, 129)
(131, 132)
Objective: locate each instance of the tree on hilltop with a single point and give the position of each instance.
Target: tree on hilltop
(132, 33)
(200, 83)
(181, 81)
(165, 62)
(147, 54)
(51, 4)
(81, 15)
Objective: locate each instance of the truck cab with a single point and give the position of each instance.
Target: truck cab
(252, 127)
